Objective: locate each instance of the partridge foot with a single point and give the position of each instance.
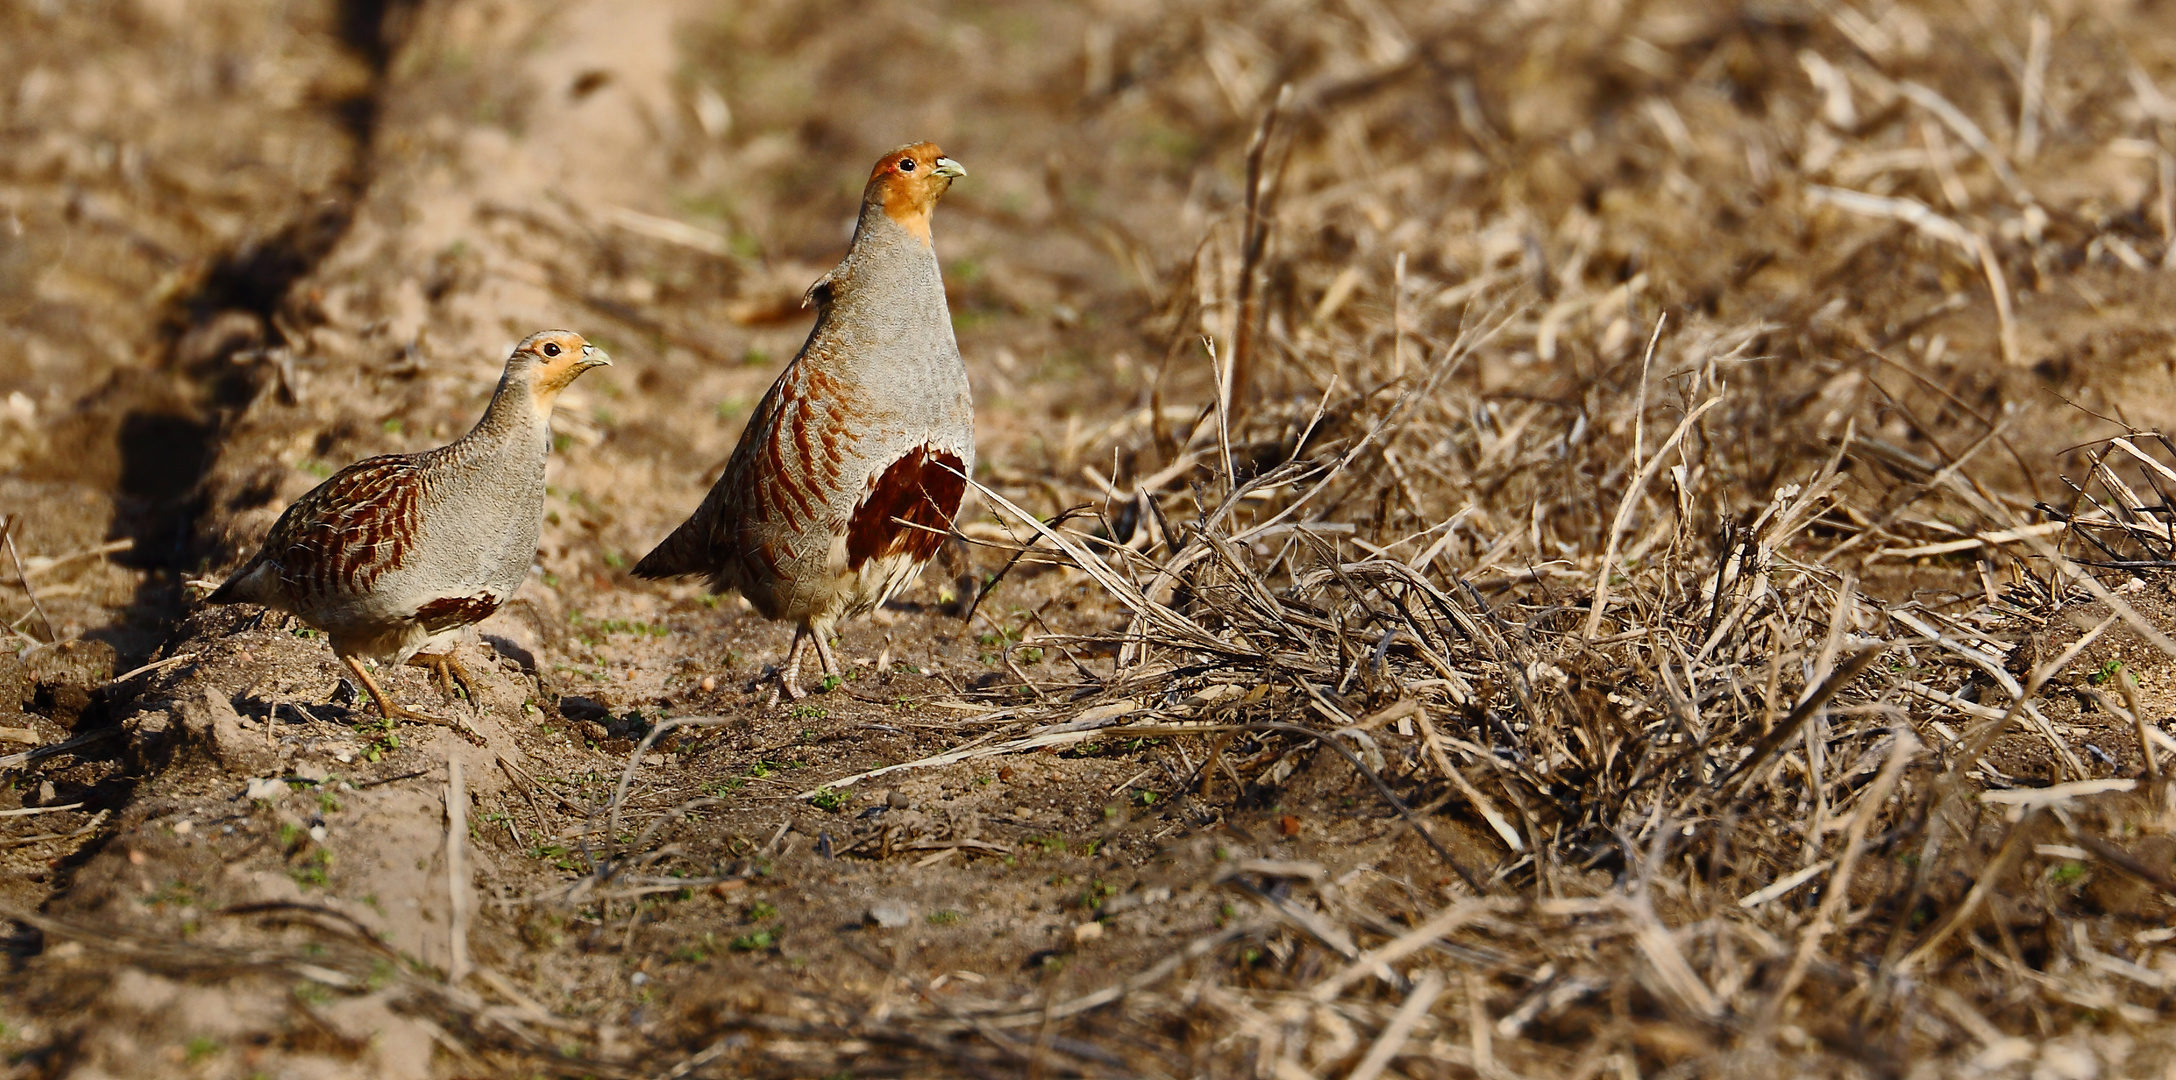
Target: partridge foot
(824, 658)
(445, 671)
(386, 707)
(789, 670)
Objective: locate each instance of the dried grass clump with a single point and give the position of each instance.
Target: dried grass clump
(1709, 670)
(1591, 432)
(1716, 804)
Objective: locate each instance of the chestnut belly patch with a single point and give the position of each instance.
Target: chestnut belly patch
(909, 509)
(454, 612)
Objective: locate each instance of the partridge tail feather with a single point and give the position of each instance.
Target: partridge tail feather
(242, 588)
(686, 551)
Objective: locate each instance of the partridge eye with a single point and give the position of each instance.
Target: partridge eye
(551, 349)
(906, 164)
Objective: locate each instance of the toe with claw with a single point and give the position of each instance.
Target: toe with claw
(386, 706)
(446, 671)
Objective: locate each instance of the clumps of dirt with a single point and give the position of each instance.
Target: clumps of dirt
(1531, 551)
(139, 261)
(17, 687)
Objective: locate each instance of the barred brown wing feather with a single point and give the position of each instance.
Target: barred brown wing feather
(350, 530)
(773, 481)
(716, 540)
(909, 508)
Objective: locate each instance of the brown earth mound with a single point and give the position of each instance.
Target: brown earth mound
(1567, 538)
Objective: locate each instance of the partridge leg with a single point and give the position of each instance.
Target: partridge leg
(829, 662)
(386, 708)
(789, 672)
(445, 671)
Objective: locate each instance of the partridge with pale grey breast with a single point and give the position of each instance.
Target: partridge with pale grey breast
(394, 553)
(848, 476)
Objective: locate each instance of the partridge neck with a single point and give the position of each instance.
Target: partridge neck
(512, 420)
(889, 278)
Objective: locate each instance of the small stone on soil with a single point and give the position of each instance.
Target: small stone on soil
(890, 914)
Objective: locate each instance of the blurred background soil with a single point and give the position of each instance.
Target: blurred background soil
(245, 244)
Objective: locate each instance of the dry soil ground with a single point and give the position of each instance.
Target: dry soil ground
(1680, 404)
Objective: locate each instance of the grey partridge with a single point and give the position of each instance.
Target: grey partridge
(850, 472)
(394, 553)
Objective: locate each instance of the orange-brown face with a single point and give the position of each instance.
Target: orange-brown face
(908, 182)
(560, 356)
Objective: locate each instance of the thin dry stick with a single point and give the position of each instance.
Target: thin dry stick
(1253, 242)
(2035, 82)
(7, 531)
(1477, 1034)
(457, 968)
(1400, 1028)
(1999, 284)
(2128, 684)
(1994, 870)
(14, 761)
(1488, 810)
(33, 811)
(1223, 414)
(1901, 752)
(156, 665)
(90, 827)
(1907, 211)
(1639, 400)
(2166, 166)
(1378, 960)
(1397, 318)
(634, 758)
(1624, 511)
(1816, 743)
(1667, 960)
(1970, 132)
(1945, 170)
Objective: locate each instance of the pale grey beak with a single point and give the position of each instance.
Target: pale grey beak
(949, 169)
(593, 356)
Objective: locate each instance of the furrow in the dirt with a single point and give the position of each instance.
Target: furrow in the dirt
(169, 251)
(506, 158)
(375, 320)
(144, 261)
